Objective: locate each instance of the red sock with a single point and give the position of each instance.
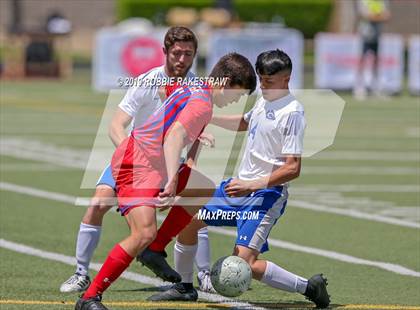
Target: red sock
(117, 261)
(176, 221)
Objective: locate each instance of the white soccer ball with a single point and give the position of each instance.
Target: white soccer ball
(231, 276)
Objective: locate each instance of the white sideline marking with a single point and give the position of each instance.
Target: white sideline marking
(37, 192)
(333, 170)
(347, 155)
(40, 151)
(78, 158)
(353, 213)
(133, 276)
(329, 254)
(276, 243)
(365, 188)
(297, 203)
(368, 155)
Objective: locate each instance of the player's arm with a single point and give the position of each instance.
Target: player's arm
(230, 122)
(186, 129)
(286, 173)
(172, 148)
(119, 123)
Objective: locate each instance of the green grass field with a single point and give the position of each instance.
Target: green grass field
(353, 214)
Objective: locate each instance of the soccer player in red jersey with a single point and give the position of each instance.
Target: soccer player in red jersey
(143, 167)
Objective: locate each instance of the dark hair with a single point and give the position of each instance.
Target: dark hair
(238, 69)
(179, 34)
(272, 62)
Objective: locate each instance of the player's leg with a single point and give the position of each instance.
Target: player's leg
(186, 247)
(142, 224)
(191, 184)
(359, 87)
(252, 240)
(90, 232)
(202, 261)
(176, 220)
(185, 250)
(275, 276)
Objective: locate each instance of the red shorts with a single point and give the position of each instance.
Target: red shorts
(138, 181)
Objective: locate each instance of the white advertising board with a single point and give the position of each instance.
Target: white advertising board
(337, 58)
(414, 65)
(251, 42)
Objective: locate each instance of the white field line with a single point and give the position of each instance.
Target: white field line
(369, 155)
(347, 155)
(32, 167)
(398, 269)
(334, 170)
(329, 254)
(365, 188)
(296, 203)
(133, 276)
(353, 213)
(40, 151)
(78, 158)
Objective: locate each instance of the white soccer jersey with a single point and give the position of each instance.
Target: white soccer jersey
(142, 101)
(275, 129)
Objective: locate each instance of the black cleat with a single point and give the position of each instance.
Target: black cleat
(93, 303)
(178, 292)
(317, 291)
(157, 263)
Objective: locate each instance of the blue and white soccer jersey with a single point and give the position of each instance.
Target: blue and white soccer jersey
(106, 178)
(275, 131)
(253, 215)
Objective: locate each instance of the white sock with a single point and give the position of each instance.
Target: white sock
(87, 241)
(202, 258)
(184, 261)
(280, 278)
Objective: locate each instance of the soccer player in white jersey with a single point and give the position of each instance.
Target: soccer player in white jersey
(271, 160)
(180, 46)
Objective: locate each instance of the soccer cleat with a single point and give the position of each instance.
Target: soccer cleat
(316, 291)
(93, 303)
(204, 282)
(76, 283)
(157, 263)
(178, 292)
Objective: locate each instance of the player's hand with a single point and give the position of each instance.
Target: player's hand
(166, 203)
(239, 188)
(167, 197)
(207, 139)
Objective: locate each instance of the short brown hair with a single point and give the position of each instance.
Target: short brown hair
(179, 34)
(238, 69)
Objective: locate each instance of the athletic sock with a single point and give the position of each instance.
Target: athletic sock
(117, 261)
(176, 221)
(280, 278)
(87, 241)
(184, 261)
(202, 258)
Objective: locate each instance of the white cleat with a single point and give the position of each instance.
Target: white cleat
(204, 282)
(76, 283)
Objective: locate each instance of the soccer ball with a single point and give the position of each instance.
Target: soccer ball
(231, 276)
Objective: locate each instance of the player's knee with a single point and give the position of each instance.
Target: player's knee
(145, 237)
(99, 205)
(149, 235)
